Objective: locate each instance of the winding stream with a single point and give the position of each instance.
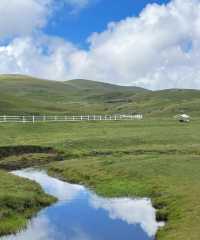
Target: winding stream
(80, 214)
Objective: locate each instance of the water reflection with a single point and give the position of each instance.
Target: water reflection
(82, 215)
(63, 191)
(137, 211)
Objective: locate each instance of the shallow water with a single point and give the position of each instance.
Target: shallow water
(80, 214)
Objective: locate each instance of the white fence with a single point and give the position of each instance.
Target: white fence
(45, 118)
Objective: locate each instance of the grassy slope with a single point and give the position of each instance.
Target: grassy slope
(155, 158)
(21, 94)
(167, 102)
(31, 95)
(19, 200)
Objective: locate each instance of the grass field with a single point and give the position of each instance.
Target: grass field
(19, 200)
(27, 95)
(157, 158)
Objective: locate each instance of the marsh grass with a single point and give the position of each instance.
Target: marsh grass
(19, 200)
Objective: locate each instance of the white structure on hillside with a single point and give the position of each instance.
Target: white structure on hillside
(183, 118)
(129, 117)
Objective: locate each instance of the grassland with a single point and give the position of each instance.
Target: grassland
(157, 158)
(19, 200)
(28, 95)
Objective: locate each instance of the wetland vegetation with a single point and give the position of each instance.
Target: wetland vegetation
(156, 158)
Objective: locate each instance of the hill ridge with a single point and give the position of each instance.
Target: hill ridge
(86, 96)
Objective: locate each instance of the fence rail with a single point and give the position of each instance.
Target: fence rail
(46, 118)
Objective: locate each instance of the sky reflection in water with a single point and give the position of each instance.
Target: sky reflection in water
(82, 215)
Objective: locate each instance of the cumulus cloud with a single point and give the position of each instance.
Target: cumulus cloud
(158, 49)
(22, 17)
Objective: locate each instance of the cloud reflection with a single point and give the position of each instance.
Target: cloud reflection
(61, 190)
(132, 211)
(38, 229)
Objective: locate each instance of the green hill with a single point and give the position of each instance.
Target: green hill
(26, 95)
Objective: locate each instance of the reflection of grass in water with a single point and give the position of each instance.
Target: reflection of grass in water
(153, 158)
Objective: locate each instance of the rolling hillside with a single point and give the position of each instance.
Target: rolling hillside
(26, 95)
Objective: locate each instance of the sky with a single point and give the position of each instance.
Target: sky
(148, 43)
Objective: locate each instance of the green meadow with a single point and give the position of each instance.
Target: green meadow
(156, 158)
(27, 95)
(20, 199)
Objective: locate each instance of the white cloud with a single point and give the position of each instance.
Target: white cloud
(46, 57)
(158, 49)
(22, 17)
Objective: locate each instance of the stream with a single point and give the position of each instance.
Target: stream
(80, 214)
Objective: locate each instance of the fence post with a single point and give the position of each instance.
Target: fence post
(4, 118)
(33, 119)
(23, 119)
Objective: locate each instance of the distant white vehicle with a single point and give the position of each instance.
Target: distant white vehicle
(183, 118)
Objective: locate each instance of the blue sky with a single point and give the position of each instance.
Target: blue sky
(93, 18)
(153, 44)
